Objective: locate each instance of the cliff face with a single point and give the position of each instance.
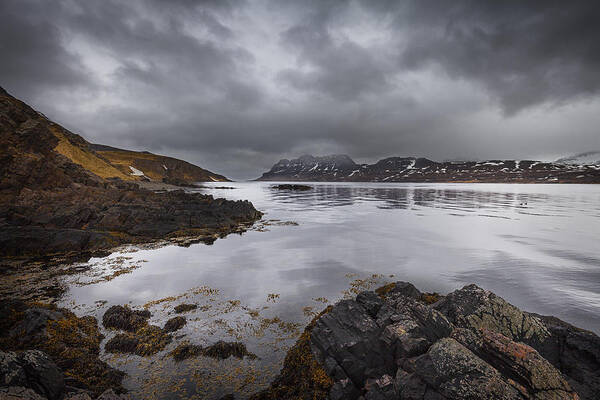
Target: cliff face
(58, 195)
(411, 169)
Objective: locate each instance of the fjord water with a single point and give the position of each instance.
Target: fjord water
(535, 245)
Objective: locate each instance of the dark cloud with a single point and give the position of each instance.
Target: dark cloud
(235, 86)
(524, 52)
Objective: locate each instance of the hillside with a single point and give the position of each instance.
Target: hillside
(411, 169)
(58, 195)
(589, 157)
(145, 165)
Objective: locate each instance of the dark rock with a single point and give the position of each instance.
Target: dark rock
(146, 341)
(174, 324)
(124, 318)
(20, 393)
(291, 187)
(575, 352)
(475, 308)
(470, 344)
(186, 350)
(34, 370)
(71, 342)
(223, 350)
(228, 397)
(181, 308)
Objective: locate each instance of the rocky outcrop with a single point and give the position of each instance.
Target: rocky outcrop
(341, 168)
(50, 351)
(59, 196)
(470, 344)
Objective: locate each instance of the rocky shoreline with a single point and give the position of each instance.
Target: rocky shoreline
(393, 343)
(396, 343)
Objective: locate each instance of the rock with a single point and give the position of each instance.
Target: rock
(223, 350)
(19, 393)
(291, 187)
(575, 352)
(146, 341)
(124, 318)
(185, 350)
(474, 308)
(181, 308)
(174, 324)
(71, 342)
(471, 344)
(34, 370)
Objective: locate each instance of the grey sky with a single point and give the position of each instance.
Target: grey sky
(234, 86)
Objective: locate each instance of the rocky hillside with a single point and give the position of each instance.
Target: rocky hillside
(57, 195)
(143, 165)
(588, 158)
(410, 169)
(399, 343)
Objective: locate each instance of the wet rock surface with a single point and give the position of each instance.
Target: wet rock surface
(220, 350)
(139, 338)
(124, 318)
(182, 308)
(400, 343)
(51, 352)
(174, 324)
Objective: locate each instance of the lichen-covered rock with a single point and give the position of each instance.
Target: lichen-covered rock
(475, 308)
(470, 344)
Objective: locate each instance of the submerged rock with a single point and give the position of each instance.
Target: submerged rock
(124, 318)
(181, 308)
(291, 187)
(146, 341)
(220, 350)
(399, 343)
(174, 324)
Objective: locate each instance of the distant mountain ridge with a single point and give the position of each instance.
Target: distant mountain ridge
(589, 158)
(341, 168)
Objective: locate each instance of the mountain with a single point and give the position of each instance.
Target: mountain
(59, 195)
(411, 169)
(589, 158)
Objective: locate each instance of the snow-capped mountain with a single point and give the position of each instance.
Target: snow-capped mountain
(412, 169)
(587, 158)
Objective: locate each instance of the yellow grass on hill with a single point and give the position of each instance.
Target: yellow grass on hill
(123, 159)
(87, 159)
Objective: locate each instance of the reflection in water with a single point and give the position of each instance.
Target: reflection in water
(535, 245)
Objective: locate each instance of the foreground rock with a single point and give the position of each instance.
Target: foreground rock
(50, 351)
(58, 195)
(470, 344)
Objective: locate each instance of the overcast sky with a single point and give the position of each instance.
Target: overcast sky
(234, 86)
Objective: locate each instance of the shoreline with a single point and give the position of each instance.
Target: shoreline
(393, 342)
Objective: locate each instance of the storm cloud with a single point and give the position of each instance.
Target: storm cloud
(233, 86)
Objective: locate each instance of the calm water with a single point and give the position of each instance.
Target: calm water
(535, 245)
